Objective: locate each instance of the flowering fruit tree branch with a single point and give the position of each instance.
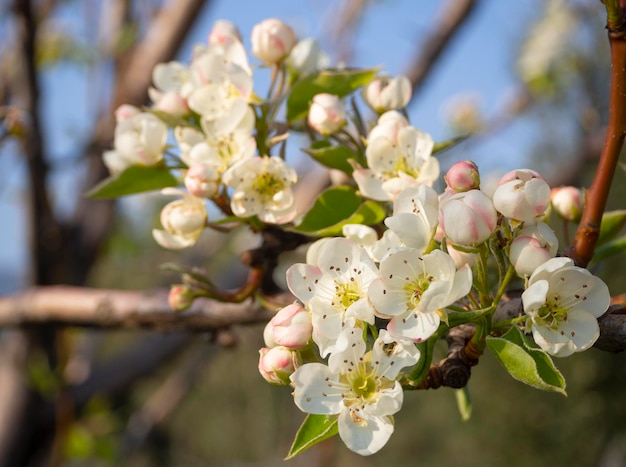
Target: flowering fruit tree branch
(583, 246)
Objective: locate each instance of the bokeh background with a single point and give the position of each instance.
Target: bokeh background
(530, 79)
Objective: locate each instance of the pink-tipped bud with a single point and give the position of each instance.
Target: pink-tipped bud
(533, 246)
(385, 93)
(568, 202)
(291, 328)
(202, 181)
(327, 114)
(224, 33)
(463, 176)
(276, 364)
(272, 40)
(170, 102)
(180, 297)
(468, 218)
(522, 195)
(126, 111)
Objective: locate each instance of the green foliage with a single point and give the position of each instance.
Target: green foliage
(135, 179)
(612, 224)
(333, 157)
(314, 429)
(337, 82)
(442, 146)
(463, 402)
(525, 363)
(336, 207)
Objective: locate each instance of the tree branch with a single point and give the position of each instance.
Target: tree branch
(85, 307)
(583, 246)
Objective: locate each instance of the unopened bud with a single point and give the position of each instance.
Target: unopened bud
(533, 246)
(568, 202)
(180, 297)
(327, 114)
(272, 40)
(384, 93)
(463, 176)
(276, 364)
(202, 181)
(468, 218)
(291, 327)
(522, 195)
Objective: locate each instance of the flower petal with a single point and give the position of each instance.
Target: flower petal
(362, 436)
(315, 391)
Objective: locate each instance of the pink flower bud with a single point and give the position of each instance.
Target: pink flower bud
(171, 102)
(291, 327)
(126, 111)
(272, 40)
(224, 33)
(384, 93)
(522, 195)
(533, 246)
(202, 181)
(568, 202)
(180, 297)
(468, 218)
(276, 364)
(327, 114)
(463, 176)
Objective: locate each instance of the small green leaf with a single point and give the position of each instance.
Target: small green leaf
(527, 364)
(464, 403)
(420, 370)
(336, 207)
(333, 157)
(612, 224)
(314, 429)
(337, 82)
(450, 143)
(456, 318)
(135, 179)
(609, 249)
(170, 120)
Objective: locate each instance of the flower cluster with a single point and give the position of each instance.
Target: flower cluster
(370, 296)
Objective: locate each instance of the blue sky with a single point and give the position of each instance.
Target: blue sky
(479, 62)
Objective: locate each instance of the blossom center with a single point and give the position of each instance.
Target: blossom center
(416, 288)
(364, 386)
(552, 313)
(267, 185)
(346, 294)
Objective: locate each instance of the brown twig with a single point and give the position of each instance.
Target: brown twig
(583, 246)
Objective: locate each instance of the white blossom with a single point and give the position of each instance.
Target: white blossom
(358, 386)
(333, 285)
(398, 156)
(262, 188)
(562, 303)
(413, 291)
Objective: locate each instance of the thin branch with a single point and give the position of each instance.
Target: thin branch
(583, 246)
(84, 307)
(453, 15)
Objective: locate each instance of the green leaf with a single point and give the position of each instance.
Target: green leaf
(527, 364)
(420, 370)
(314, 429)
(337, 82)
(609, 249)
(333, 157)
(336, 207)
(135, 179)
(612, 224)
(464, 403)
(170, 120)
(456, 318)
(448, 144)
